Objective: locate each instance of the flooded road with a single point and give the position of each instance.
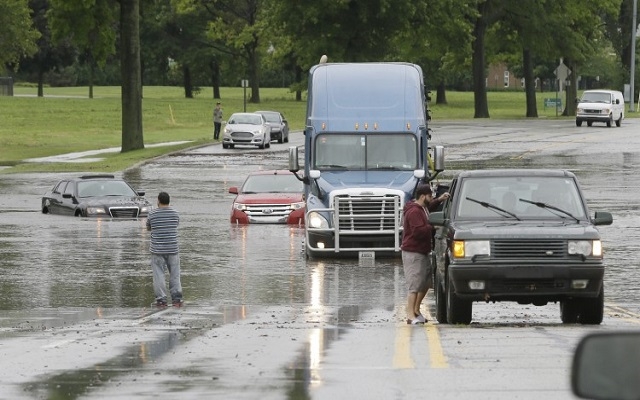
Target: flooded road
(260, 321)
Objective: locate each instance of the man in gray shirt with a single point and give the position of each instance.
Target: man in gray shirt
(163, 223)
(217, 121)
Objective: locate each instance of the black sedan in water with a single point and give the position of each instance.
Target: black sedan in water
(95, 196)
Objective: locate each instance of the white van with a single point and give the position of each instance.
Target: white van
(600, 106)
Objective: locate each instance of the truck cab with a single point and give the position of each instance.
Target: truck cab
(366, 150)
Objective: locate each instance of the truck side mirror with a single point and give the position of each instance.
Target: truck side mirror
(438, 158)
(294, 164)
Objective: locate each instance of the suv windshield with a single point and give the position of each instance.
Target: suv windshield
(526, 198)
(366, 152)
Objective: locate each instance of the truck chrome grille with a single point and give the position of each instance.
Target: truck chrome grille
(368, 213)
(528, 249)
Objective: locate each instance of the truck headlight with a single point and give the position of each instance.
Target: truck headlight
(239, 206)
(317, 221)
(471, 248)
(585, 247)
(297, 206)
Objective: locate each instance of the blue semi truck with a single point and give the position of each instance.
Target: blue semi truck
(366, 150)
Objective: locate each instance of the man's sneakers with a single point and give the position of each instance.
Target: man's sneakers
(161, 303)
(418, 320)
(178, 303)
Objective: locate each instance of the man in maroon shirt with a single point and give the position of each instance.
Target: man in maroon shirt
(416, 245)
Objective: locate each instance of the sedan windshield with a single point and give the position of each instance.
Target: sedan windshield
(271, 117)
(246, 119)
(517, 197)
(366, 152)
(280, 183)
(104, 188)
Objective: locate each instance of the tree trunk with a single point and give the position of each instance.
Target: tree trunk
(529, 84)
(215, 78)
(130, 68)
(571, 90)
(441, 94)
(188, 86)
(298, 72)
(40, 83)
(92, 72)
(481, 104)
(254, 78)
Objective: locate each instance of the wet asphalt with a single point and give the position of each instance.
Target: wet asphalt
(261, 321)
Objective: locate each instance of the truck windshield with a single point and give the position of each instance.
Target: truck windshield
(396, 151)
(531, 197)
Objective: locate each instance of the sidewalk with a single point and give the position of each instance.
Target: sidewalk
(84, 156)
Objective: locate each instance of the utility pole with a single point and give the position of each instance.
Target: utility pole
(632, 68)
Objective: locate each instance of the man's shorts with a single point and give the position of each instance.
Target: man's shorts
(417, 271)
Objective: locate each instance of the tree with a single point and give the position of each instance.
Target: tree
(18, 35)
(50, 55)
(132, 137)
(90, 25)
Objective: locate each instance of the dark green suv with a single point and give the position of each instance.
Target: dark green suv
(518, 235)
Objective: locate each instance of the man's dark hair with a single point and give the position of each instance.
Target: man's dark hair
(164, 198)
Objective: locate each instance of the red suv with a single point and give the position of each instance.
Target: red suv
(269, 197)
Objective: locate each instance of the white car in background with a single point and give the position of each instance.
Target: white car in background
(249, 129)
(600, 106)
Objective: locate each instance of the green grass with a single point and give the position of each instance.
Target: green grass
(66, 120)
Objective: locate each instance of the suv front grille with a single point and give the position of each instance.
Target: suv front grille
(370, 213)
(268, 210)
(528, 249)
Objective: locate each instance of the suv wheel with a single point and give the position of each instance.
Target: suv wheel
(441, 300)
(458, 310)
(569, 311)
(592, 310)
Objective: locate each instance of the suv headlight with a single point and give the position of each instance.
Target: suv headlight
(470, 248)
(317, 221)
(239, 206)
(585, 247)
(297, 206)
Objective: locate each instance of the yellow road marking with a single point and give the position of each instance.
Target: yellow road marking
(436, 354)
(402, 355)
(402, 358)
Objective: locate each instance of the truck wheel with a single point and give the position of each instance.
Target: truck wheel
(280, 140)
(609, 121)
(589, 123)
(578, 123)
(458, 310)
(619, 121)
(592, 310)
(569, 311)
(441, 300)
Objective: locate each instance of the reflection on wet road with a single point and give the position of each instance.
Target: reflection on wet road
(259, 318)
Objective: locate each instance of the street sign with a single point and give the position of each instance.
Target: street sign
(562, 72)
